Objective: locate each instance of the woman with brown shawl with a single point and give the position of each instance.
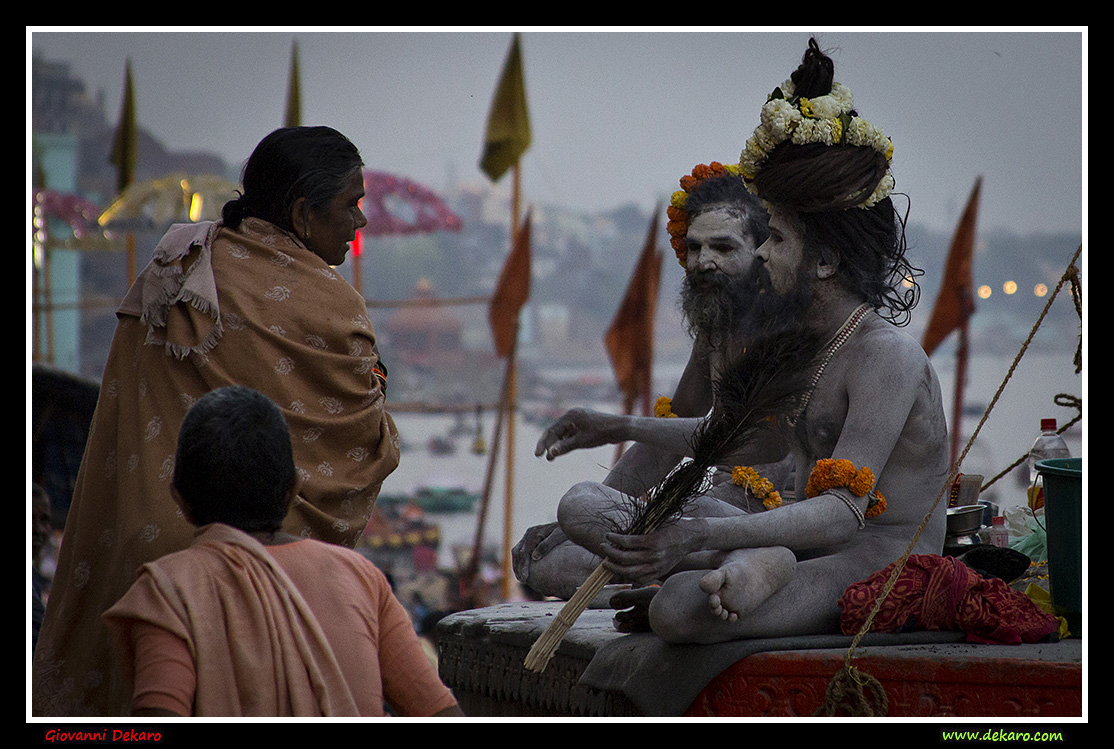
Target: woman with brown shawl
(253, 300)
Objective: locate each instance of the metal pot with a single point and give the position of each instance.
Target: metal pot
(964, 520)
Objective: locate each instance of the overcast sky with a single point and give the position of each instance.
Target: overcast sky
(619, 116)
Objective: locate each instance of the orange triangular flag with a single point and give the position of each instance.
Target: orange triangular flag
(630, 338)
(511, 292)
(955, 302)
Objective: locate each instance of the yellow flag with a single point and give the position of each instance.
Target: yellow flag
(124, 145)
(508, 122)
(293, 116)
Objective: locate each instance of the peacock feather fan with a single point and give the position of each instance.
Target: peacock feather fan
(753, 389)
(767, 380)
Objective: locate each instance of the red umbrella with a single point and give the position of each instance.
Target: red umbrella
(396, 205)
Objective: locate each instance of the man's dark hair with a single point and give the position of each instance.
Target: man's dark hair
(235, 464)
(731, 190)
(870, 244)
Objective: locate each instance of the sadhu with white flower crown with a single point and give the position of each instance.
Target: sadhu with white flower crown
(250, 300)
(813, 363)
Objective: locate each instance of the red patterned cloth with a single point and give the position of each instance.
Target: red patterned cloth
(941, 593)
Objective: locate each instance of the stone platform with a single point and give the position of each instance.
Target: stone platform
(599, 672)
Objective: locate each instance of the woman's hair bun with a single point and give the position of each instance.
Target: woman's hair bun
(234, 211)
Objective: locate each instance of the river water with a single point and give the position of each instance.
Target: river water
(538, 484)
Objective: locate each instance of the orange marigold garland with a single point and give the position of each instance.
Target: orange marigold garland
(762, 488)
(663, 408)
(862, 482)
(832, 473)
(843, 473)
(678, 224)
(876, 506)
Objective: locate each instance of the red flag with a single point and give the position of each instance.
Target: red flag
(630, 338)
(511, 292)
(955, 302)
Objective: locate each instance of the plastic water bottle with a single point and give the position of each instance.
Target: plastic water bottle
(998, 534)
(1047, 446)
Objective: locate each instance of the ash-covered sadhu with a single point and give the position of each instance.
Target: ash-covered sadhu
(834, 485)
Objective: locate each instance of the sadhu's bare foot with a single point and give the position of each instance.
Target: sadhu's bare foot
(746, 579)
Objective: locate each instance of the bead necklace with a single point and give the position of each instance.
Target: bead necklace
(834, 345)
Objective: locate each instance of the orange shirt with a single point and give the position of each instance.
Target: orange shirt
(376, 647)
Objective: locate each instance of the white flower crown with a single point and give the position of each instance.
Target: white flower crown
(824, 119)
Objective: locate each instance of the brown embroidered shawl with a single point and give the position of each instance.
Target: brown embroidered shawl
(214, 307)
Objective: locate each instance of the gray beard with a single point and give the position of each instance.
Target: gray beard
(714, 303)
(722, 306)
(772, 313)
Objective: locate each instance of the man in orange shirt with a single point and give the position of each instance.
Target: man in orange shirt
(250, 620)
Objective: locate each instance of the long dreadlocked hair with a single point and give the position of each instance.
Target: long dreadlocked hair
(818, 182)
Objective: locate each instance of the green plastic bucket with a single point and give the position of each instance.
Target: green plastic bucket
(1063, 516)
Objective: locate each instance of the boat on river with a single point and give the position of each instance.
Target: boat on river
(435, 499)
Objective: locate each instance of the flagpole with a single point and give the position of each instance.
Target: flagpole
(620, 447)
(48, 288)
(131, 258)
(508, 509)
(493, 459)
(960, 383)
(506, 138)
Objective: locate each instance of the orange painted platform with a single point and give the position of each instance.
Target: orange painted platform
(481, 654)
(925, 681)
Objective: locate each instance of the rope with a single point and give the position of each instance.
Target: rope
(1077, 299)
(1060, 399)
(845, 688)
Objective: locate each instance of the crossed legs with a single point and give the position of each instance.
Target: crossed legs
(757, 593)
(716, 596)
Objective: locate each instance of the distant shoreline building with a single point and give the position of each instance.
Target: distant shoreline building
(71, 142)
(424, 334)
